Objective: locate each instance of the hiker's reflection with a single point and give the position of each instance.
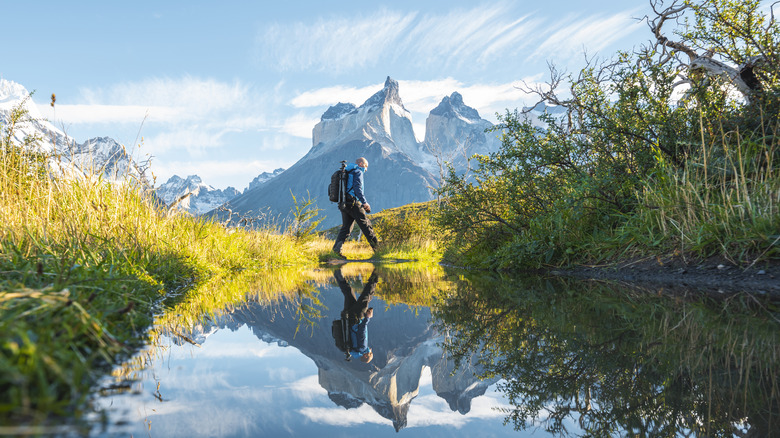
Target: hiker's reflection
(357, 315)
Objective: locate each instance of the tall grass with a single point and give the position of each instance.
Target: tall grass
(725, 202)
(84, 262)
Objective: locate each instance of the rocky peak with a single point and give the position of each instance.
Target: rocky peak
(338, 111)
(11, 91)
(387, 95)
(453, 106)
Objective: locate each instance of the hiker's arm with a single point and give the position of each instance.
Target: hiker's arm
(357, 187)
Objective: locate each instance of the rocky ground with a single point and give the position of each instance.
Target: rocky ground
(716, 276)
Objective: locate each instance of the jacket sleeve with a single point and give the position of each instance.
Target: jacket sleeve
(357, 186)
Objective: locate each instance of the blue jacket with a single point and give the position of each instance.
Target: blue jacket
(355, 186)
(358, 334)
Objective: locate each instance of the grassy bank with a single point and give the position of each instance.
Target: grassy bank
(84, 263)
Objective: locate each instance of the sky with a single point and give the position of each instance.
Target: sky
(228, 90)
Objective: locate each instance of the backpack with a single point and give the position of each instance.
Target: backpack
(337, 188)
(340, 332)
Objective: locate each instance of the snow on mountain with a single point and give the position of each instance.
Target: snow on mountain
(198, 197)
(382, 118)
(98, 157)
(262, 179)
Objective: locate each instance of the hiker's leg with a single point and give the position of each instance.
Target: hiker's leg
(349, 296)
(365, 226)
(347, 222)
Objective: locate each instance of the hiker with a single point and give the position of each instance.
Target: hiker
(355, 207)
(358, 315)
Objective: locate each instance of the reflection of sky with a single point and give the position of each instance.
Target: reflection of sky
(238, 385)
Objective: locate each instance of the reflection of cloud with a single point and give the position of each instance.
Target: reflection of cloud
(363, 414)
(308, 388)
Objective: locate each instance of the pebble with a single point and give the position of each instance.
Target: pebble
(761, 272)
(721, 267)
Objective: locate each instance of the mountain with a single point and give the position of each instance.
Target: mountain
(454, 132)
(403, 341)
(402, 170)
(97, 157)
(198, 198)
(262, 179)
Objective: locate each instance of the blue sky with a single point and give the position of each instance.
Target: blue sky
(230, 89)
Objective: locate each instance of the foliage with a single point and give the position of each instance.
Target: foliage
(616, 362)
(305, 219)
(569, 190)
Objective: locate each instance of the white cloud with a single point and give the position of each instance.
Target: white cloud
(482, 34)
(300, 125)
(333, 95)
(335, 43)
(574, 34)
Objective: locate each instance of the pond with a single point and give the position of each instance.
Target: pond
(454, 354)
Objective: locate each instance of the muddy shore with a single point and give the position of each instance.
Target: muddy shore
(713, 276)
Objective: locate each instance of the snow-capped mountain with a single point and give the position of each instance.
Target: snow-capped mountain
(262, 179)
(97, 157)
(401, 169)
(193, 195)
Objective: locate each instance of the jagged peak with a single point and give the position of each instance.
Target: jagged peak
(388, 94)
(453, 106)
(338, 111)
(11, 91)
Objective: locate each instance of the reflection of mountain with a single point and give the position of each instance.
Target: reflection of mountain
(403, 344)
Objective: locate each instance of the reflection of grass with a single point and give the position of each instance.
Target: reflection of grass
(617, 358)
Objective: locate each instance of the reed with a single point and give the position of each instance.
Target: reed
(724, 202)
(85, 262)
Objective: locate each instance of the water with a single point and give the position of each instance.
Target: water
(539, 357)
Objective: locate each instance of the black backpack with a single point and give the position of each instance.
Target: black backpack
(340, 332)
(337, 189)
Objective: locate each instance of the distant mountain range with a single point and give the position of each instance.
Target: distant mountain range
(104, 157)
(401, 169)
(193, 196)
(97, 157)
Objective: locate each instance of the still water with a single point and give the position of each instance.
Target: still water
(454, 355)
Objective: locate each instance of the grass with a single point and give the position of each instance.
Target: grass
(84, 265)
(405, 233)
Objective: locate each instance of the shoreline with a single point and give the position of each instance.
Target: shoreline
(673, 274)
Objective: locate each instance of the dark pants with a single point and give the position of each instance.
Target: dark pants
(349, 215)
(356, 308)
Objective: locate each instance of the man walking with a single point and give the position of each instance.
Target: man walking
(355, 207)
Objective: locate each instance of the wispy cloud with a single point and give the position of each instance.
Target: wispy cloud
(574, 34)
(481, 34)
